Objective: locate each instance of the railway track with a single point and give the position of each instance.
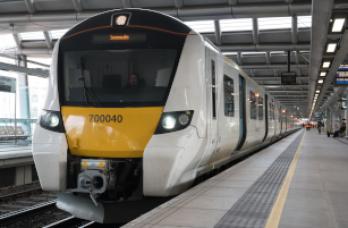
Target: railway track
(69, 222)
(26, 211)
(25, 198)
(72, 221)
(16, 192)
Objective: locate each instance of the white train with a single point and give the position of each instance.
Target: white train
(141, 105)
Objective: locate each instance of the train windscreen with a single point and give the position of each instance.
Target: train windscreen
(131, 77)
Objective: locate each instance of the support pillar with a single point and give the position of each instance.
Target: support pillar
(23, 93)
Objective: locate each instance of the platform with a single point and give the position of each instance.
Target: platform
(13, 155)
(16, 165)
(300, 181)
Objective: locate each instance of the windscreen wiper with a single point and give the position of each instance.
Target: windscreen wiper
(88, 92)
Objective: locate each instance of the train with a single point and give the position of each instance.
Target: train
(140, 105)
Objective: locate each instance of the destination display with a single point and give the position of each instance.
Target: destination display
(342, 76)
(288, 78)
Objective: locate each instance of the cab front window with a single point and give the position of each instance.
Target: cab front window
(137, 77)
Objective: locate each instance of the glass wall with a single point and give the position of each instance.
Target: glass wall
(21, 100)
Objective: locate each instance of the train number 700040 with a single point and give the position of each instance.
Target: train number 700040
(101, 118)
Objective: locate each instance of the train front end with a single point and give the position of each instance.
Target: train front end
(110, 80)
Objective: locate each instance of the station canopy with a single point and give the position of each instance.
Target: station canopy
(269, 39)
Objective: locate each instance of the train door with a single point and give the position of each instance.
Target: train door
(281, 120)
(266, 117)
(242, 113)
(211, 78)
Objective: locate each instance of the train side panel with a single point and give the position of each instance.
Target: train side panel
(50, 148)
(170, 159)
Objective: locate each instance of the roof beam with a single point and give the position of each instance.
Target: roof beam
(30, 71)
(29, 4)
(239, 58)
(271, 78)
(287, 90)
(321, 14)
(217, 32)
(179, 3)
(17, 40)
(265, 47)
(188, 12)
(338, 60)
(267, 57)
(271, 66)
(286, 86)
(294, 29)
(127, 4)
(48, 40)
(77, 5)
(255, 31)
(290, 95)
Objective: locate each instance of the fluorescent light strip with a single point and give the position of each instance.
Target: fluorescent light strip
(320, 81)
(338, 24)
(205, 26)
(269, 23)
(56, 34)
(331, 47)
(304, 21)
(322, 74)
(32, 35)
(230, 53)
(235, 25)
(317, 91)
(7, 42)
(326, 64)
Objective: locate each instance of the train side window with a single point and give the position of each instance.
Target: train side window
(260, 107)
(252, 100)
(213, 87)
(228, 96)
(271, 111)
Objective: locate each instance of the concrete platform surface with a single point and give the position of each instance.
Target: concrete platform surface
(317, 195)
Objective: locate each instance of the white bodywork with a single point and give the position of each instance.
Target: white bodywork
(50, 148)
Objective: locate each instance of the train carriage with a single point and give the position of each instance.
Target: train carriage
(140, 105)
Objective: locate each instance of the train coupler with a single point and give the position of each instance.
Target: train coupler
(93, 178)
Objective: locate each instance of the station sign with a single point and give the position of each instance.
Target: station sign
(288, 78)
(7, 84)
(342, 76)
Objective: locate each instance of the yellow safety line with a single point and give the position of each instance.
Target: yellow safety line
(277, 210)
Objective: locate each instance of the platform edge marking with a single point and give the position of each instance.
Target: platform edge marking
(278, 206)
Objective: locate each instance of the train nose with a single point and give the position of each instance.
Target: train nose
(109, 132)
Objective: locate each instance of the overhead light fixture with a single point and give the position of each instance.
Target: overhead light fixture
(320, 81)
(322, 74)
(203, 26)
(317, 91)
(338, 24)
(326, 64)
(229, 53)
(121, 20)
(331, 47)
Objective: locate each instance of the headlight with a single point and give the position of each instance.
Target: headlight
(51, 120)
(174, 121)
(168, 122)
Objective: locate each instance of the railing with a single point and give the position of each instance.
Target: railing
(16, 131)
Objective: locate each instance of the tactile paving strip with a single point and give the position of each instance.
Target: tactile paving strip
(253, 208)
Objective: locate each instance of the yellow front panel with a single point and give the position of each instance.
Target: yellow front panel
(109, 132)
